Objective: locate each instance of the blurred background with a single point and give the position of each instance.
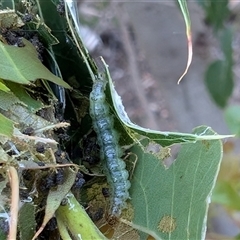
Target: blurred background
(144, 43)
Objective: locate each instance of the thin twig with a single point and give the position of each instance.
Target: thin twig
(14, 183)
(133, 67)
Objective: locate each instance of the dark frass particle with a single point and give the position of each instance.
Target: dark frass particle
(110, 152)
(40, 148)
(41, 164)
(61, 8)
(98, 214)
(105, 192)
(27, 17)
(90, 150)
(28, 131)
(59, 176)
(79, 181)
(61, 157)
(52, 180)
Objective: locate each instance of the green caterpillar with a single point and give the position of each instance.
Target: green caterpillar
(110, 152)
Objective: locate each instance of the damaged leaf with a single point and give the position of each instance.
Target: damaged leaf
(9, 19)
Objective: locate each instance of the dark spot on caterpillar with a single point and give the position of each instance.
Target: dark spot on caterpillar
(110, 152)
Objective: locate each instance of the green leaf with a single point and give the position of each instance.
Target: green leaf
(163, 138)
(7, 4)
(24, 97)
(226, 44)
(43, 30)
(232, 118)
(219, 81)
(2, 235)
(172, 203)
(134, 131)
(21, 65)
(26, 221)
(216, 12)
(67, 53)
(225, 194)
(6, 126)
(55, 196)
(219, 75)
(7, 100)
(3, 87)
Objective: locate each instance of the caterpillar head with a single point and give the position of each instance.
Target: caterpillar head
(97, 93)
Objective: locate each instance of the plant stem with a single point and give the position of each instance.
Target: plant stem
(14, 183)
(77, 221)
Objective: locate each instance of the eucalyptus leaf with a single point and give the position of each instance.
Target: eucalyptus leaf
(219, 81)
(21, 65)
(7, 4)
(3, 87)
(7, 100)
(226, 44)
(24, 117)
(226, 194)
(66, 53)
(55, 196)
(172, 203)
(2, 234)
(163, 138)
(6, 126)
(134, 131)
(24, 97)
(232, 117)
(26, 220)
(216, 12)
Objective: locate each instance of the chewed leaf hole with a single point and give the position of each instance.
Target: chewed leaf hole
(166, 155)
